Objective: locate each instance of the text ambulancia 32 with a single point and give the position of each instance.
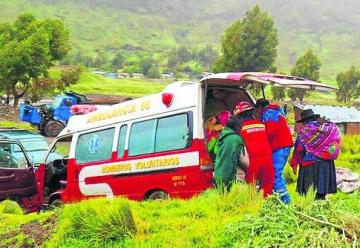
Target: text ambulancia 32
(148, 148)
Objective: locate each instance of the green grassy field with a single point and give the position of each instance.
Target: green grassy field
(91, 83)
(20, 125)
(95, 84)
(240, 218)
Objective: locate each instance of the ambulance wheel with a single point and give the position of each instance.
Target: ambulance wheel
(53, 128)
(57, 203)
(157, 195)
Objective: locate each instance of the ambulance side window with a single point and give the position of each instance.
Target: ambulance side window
(121, 142)
(142, 137)
(95, 146)
(163, 134)
(172, 133)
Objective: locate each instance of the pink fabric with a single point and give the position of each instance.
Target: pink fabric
(223, 117)
(322, 140)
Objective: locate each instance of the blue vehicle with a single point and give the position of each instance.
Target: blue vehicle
(51, 118)
(34, 144)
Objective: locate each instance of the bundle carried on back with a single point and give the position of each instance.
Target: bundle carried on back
(322, 140)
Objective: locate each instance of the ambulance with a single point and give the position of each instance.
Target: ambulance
(153, 147)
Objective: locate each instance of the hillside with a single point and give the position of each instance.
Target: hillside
(330, 27)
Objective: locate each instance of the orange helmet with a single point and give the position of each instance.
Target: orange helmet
(242, 107)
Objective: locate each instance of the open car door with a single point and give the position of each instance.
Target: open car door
(246, 79)
(17, 177)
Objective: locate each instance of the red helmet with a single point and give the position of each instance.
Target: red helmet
(242, 107)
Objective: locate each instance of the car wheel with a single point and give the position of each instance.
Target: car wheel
(157, 195)
(53, 128)
(57, 203)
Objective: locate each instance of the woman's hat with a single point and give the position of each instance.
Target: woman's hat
(307, 114)
(223, 117)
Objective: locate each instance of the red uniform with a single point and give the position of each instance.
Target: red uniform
(260, 154)
(278, 131)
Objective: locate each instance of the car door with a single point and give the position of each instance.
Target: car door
(17, 177)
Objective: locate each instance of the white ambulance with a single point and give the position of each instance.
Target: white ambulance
(151, 147)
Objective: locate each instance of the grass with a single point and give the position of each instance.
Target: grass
(240, 218)
(95, 84)
(306, 224)
(12, 220)
(17, 124)
(350, 153)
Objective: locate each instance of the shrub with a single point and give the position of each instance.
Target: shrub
(10, 207)
(96, 222)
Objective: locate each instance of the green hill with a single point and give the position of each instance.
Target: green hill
(330, 27)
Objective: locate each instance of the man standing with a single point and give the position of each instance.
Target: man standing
(254, 134)
(280, 140)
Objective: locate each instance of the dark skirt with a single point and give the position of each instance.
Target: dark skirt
(321, 175)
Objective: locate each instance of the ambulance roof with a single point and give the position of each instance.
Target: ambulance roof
(183, 94)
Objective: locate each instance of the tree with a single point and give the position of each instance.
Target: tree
(154, 72)
(348, 83)
(28, 48)
(118, 61)
(78, 58)
(48, 86)
(173, 58)
(87, 60)
(183, 54)
(146, 63)
(249, 44)
(207, 57)
(307, 66)
(278, 93)
(100, 60)
(69, 77)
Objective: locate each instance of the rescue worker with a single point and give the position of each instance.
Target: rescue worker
(254, 134)
(280, 140)
(231, 155)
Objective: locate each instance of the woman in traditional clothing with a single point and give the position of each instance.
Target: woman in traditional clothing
(316, 148)
(214, 125)
(231, 156)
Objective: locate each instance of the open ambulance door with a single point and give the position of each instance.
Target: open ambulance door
(247, 79)
(222, 91)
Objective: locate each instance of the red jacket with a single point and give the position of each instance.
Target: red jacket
(277, 129)
(254, 134)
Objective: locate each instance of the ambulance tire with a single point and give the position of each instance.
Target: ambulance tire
(157, 195)
(57, 203)
(53, 128)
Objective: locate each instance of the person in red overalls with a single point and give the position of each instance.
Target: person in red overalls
(260, 154)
